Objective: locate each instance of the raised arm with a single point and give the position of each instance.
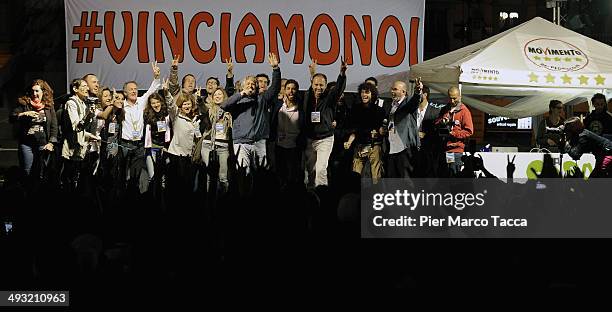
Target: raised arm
(230, 89)
(174, 86)
(336, 92)
(272, 92)
(155, 84)
(231, 101)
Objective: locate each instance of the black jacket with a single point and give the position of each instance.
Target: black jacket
(405, 120)
(23, 123)
(589, 142)
(327, 107)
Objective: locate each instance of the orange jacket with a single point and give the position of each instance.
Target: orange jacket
(462, 127)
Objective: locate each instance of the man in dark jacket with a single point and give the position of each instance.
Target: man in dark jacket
(599, 121)
(430, 144)
(320, 105)
(249, 109)
(403, 131)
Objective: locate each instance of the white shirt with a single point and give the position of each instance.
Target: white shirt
(185, 131)
(396, 144)
(133, 123)
(288, 126)
(420, 117)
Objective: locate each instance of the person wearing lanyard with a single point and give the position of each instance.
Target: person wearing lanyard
(132, 126)
(456, 121)
(157, 134)
(319, 108)
(217, 137)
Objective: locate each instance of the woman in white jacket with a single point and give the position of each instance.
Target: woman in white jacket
(185, 132)
(75, 117)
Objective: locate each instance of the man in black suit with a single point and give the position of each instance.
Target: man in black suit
(430, 144)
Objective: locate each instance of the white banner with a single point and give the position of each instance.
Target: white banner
(116, 40)
(496, 163)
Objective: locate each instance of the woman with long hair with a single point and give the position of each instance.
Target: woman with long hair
(217, 136)
(157, 133)
(37, 124)
(366, 128)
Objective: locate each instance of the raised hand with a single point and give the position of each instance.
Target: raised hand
(343, 65)
(198, 91)
(230, 67)
(273, 60)
(175, 60)
(510, 168)
(312, 68)
(166, 85)
(418, 85)
(156, 70)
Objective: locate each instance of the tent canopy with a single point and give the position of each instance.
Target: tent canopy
(537, 59)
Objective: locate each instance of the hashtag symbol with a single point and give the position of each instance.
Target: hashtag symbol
(87, 37)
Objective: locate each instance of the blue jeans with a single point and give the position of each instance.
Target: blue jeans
(455, 167)
(27, 155)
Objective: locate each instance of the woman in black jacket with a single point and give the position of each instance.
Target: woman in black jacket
(37, 126)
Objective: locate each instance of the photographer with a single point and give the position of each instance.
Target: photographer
(455, 125)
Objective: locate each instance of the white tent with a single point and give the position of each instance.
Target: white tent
(537, 60)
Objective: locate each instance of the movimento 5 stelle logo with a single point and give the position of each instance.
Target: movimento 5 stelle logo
(555, 55)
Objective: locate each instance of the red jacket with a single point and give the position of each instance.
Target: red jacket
(462, 127)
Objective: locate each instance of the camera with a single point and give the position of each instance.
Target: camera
(92, 101)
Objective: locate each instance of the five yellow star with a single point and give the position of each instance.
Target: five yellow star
(557, 59)
(583, 79)
(537, 58)
(600, 80)
(546, 58)
(495, 78)
(490, 78)
(568, 59)
(566, 79)
(578, 59)
(533, 77)
(550, 78)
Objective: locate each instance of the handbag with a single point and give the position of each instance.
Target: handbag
(196, 157)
